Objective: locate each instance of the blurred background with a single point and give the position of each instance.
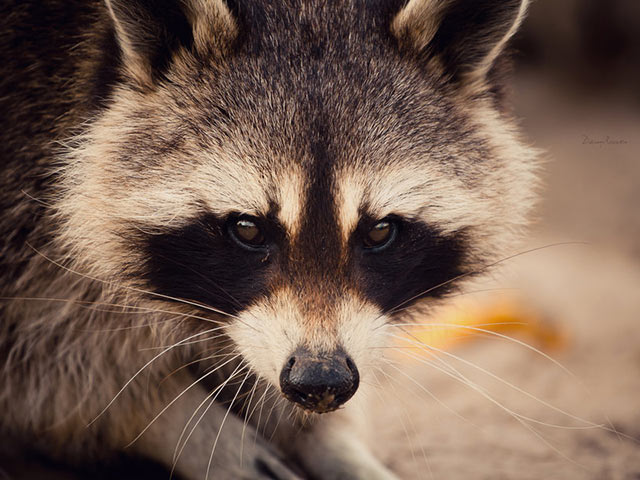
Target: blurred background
(489, 407)
(541, 380)
(578, 95)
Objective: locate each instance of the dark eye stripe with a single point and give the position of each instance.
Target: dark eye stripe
(206, 262)
(415, 262)
(201, 263)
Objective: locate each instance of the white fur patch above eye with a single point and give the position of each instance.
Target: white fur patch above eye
(291, 194)
(351, 190)
(418, 191)
(227, 184)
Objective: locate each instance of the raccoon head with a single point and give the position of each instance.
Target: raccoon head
(310, 170)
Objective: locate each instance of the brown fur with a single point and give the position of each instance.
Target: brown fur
(103, 149)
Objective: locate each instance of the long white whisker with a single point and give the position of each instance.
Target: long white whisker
(428, 392)
(430, 348)
(180, 396)
(246, 419)
(215, 443)
(262, 401)
(482, 391)
(192, 342)
(146, 292)
(282, 410)
(495, 334)
(135, 375)
(404, 426)
(214, 393)
(272, 398)
(549, 444)
(199, 360)
(88, 305)
(482, 269)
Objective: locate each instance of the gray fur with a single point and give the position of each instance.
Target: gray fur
(102, 147)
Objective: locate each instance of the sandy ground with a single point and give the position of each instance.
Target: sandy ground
(591, 293)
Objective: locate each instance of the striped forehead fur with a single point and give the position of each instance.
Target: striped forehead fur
(120, 176)
(494, 199)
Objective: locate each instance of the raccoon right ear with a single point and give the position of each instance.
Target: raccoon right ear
(462, 38)
(149, 32)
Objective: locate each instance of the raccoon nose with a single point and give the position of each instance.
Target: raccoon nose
(320, 383)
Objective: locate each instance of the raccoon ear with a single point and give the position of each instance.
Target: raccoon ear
(462, 37)
(150, 31)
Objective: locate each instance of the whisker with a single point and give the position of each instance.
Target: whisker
(404, 426)
(481, 270)
(482, 391)
(215, 443)
(428, 392)
(214, 393)
(550, 445)
(178, 397)
(262, 402)
(123, 306)
(192, 342)
(465, 381)
(274, 401)
(463, 293)
(495, 334)
(135, 375)
(590, 424)
(219, 354)
(282, 410)
(246, 406)
(146, 292)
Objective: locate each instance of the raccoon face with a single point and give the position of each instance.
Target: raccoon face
(307, 170)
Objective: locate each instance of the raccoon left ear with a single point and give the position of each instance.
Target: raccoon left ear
(150, 31)
(462, 37)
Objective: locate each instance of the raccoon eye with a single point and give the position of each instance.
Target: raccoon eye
(381, 235)
(247, 233)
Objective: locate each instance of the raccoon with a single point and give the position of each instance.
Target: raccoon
(212, 211)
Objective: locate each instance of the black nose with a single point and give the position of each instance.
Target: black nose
(320, 383)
